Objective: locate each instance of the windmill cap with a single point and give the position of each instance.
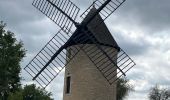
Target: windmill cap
(99, 30)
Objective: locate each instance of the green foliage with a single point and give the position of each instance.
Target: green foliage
(30, 92)
(15, 96)
(123, 88)
(156, 93)
(11, 53)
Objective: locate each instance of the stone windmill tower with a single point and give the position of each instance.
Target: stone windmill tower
(82, 80)
(91, 57)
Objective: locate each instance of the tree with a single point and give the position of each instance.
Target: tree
(17, 95)
(30, 92)
(156, 93)
(123, 88)
(11, 54)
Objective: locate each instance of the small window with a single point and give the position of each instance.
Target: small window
(68, 80)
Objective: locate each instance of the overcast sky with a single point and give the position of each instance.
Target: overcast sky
(140, 27)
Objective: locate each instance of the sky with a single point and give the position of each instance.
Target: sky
(140, 27)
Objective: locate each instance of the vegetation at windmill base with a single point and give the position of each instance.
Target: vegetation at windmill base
(157, 93)
(30, 92)
(11, 55)
(123, 88)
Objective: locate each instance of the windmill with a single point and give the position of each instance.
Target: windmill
(74, 39)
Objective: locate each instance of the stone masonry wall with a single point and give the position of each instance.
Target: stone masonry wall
(87, 82)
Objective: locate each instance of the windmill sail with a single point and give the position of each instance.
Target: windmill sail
(111, 70)
(62, 12)
(55, 67)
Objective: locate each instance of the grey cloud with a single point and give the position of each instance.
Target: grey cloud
(16, 12)
(153, 73)
(152, 15)
(137, 96)
(132, 47)
(36, 42)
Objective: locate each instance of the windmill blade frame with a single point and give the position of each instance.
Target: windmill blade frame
(108, 69)
(108, 62)
(55, 67)
(61, 12)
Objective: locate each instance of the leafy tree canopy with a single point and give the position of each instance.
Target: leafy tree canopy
(123, 88)
(11, 54)
(30, 92)
(157, 93)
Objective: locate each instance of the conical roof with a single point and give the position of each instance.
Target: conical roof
(99, 30)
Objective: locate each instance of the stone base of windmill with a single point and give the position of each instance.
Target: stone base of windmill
(85, 81)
